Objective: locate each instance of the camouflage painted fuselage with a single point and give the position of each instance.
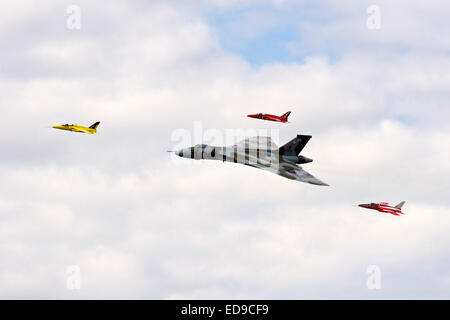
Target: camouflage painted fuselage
(261, 153)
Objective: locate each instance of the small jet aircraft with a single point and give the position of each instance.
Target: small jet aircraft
(260, 152)
(76, 128)
(271, 117)
(385, 207)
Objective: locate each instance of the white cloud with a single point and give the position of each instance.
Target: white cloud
(141, 227)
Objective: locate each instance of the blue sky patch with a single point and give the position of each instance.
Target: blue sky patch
(266, 34)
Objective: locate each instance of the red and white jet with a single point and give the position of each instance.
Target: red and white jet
(270, 117)
(385, 207)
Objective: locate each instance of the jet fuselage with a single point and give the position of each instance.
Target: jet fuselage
(238, 155)
(271, 117)
(384, 207)
(261, 153)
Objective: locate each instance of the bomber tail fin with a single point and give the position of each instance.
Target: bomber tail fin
(400, 205)
(95, 125)
(286, 115)
(295, 146)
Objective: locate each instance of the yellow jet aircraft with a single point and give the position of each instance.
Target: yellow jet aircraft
(76, 128)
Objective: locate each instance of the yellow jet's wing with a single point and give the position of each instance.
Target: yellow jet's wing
(81, 129)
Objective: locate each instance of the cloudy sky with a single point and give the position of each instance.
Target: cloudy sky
(114, 215)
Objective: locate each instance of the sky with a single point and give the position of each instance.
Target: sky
(114, 216)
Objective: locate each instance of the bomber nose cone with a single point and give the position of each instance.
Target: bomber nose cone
(184, 153)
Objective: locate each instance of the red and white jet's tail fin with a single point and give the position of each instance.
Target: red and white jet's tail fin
(286, 115)
(400, 205)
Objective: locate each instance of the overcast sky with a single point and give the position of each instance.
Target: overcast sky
(120, 214)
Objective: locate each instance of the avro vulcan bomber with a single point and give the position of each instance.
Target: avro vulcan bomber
(260, 152)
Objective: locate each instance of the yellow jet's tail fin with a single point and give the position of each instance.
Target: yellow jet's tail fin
(95, 125)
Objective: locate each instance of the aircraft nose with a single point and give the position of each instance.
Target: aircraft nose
(184, 153)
